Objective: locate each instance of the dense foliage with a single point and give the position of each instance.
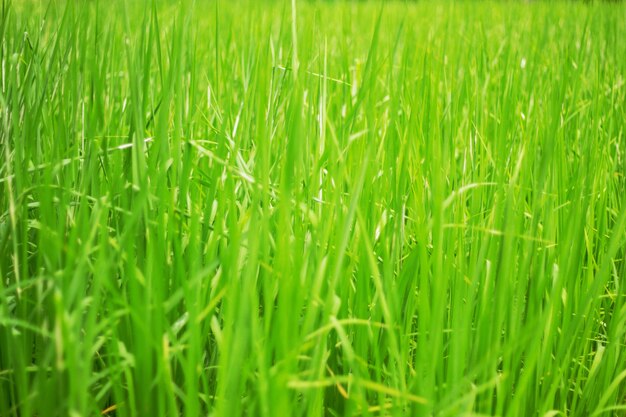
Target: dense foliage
(312, 208)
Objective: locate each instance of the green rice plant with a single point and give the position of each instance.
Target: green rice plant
(292, 208)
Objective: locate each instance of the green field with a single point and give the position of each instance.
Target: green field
(292, 208)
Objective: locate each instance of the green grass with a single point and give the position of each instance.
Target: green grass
(398, 208)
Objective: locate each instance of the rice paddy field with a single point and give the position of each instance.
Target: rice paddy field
(312, 208)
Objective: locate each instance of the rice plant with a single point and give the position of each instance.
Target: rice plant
(312, 208)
